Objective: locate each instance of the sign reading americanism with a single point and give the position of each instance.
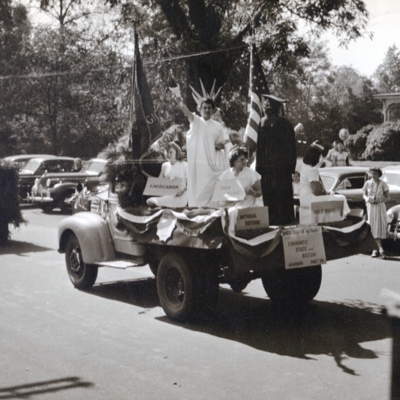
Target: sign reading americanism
(228, 189)
(162, 187)
(303, 246)
(252, 218)
(326, 211)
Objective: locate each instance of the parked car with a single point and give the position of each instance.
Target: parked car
(54, 189)
(36, 167)
(22, 159)
(391, 175)
(347, 181)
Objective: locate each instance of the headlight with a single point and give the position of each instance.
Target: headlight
(389, 216)
(48, 182)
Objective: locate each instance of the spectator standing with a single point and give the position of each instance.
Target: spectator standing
(340, 158)
(376, 193)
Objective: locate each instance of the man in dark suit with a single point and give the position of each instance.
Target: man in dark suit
(276, 161)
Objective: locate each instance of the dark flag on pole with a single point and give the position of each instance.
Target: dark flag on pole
(144, 123)
(258, 86)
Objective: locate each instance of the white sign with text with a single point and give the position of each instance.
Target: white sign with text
(252, 218)
(162, 186)
(228, 189)
(303, 246)
(326, 211)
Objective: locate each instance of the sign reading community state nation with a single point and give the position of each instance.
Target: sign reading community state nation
(162, 187)
(326, 211)
(228, 189)
(303, 246)
(252, 218)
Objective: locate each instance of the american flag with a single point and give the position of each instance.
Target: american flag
(258, 86)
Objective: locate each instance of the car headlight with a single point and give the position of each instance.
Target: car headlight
(390, 217)
(48, 183)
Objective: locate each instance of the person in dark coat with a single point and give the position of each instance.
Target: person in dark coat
(276, 162)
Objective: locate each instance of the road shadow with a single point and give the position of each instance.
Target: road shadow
(21, 248)
(43, 387)
(138, 292)
(320, 328)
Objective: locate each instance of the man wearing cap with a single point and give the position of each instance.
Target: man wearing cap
(276, 161)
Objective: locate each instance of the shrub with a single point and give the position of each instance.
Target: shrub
(383, 143)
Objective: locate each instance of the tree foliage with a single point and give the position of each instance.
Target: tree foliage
(387, 74)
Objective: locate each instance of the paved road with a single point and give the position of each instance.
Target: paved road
(115, 342)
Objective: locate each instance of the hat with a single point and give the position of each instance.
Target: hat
(275, 98)
(317, 145)
(299, 128)
(198, 98)
(275, 103)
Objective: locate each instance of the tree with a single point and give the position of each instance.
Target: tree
(387, 74)
(175, 27)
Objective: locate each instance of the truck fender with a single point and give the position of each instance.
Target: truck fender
(93, 235)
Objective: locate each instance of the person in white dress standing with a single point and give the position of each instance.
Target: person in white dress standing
(207, 144)
(174, 168)
(376, 193)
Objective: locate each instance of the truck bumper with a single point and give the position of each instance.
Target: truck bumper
(39, 199)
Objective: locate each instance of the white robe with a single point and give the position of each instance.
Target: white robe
(204, 161)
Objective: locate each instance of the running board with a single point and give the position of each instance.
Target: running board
(122, 264)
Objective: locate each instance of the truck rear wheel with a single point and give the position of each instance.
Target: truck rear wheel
(298, 285)
(186, 293)
(82, 275)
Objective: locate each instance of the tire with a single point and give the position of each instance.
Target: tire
(153, 265)
(296, 286)
(82, 275)
(46, 208)
(186, 293)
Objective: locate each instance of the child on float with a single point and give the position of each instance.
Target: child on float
(175, 167)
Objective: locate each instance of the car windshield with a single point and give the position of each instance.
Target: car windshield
(328, 182)
(93, 167)
(31, 166)
(391, 178)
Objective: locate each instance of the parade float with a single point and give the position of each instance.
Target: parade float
(193, 250)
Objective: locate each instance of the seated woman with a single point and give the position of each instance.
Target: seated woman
(311, 187)
(174, 168)
(247, 178)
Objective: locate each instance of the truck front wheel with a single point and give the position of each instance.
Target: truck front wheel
(82, 275)
(293, 286)
(185, 293)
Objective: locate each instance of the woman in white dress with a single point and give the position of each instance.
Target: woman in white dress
(340, 158)
(376, 193)
(247, 178)
(311, 187)
(174, 168)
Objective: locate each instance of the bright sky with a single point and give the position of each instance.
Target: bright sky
(365, 54)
